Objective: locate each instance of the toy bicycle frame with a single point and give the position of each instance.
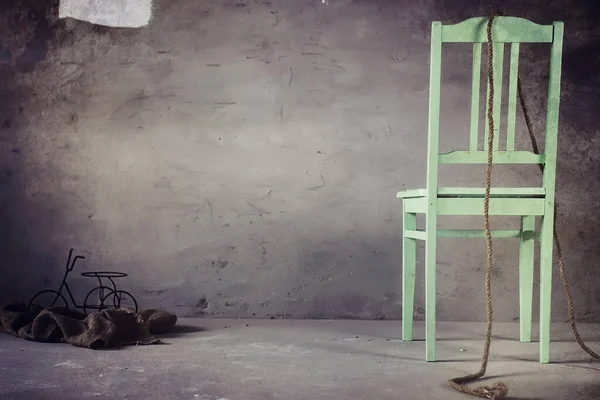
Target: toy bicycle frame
(117, 294)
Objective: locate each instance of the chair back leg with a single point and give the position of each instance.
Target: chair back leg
(546, 247)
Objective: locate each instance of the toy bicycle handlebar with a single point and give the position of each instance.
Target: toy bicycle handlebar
(71, 265)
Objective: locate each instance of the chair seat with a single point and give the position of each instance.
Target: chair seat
(470, 192)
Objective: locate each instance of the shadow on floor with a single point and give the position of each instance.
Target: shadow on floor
(584, 391)
(584, 359)
(181, 330)
(40, 394)
(589, 391)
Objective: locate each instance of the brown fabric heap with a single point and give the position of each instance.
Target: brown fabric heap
(105, 329)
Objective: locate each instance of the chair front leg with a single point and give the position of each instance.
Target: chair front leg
(526, 257)
(409, 258)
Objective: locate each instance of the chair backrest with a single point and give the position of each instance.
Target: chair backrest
(505, 30)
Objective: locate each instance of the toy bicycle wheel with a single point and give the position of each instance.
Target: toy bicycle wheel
(45, 299)
(95, 298)
(121, 299)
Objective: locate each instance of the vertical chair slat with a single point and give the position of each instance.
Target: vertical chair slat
(498, 63)
(512, 97)
(475, 99)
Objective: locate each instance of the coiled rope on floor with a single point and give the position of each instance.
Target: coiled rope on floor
(499, 390)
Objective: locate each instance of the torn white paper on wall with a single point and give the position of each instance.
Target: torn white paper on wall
(113, 13)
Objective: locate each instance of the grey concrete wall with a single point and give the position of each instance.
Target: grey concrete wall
(242, 158)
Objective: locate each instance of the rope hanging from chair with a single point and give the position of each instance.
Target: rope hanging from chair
(500, 390)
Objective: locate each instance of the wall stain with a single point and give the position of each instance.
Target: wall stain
(328, 273)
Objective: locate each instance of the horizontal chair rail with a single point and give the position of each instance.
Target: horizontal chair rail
(474, 206)
(494, 192)
(499, 157)
(472, 233)
(419, 235)
(504, 30)
(480, 233)
(469, 206)
(476, 192)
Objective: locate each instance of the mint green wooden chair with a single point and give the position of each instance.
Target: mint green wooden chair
(528, 202)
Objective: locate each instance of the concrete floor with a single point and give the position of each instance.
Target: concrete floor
(293, 360)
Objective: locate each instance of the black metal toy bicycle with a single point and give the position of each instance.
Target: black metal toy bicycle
(98, 298)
